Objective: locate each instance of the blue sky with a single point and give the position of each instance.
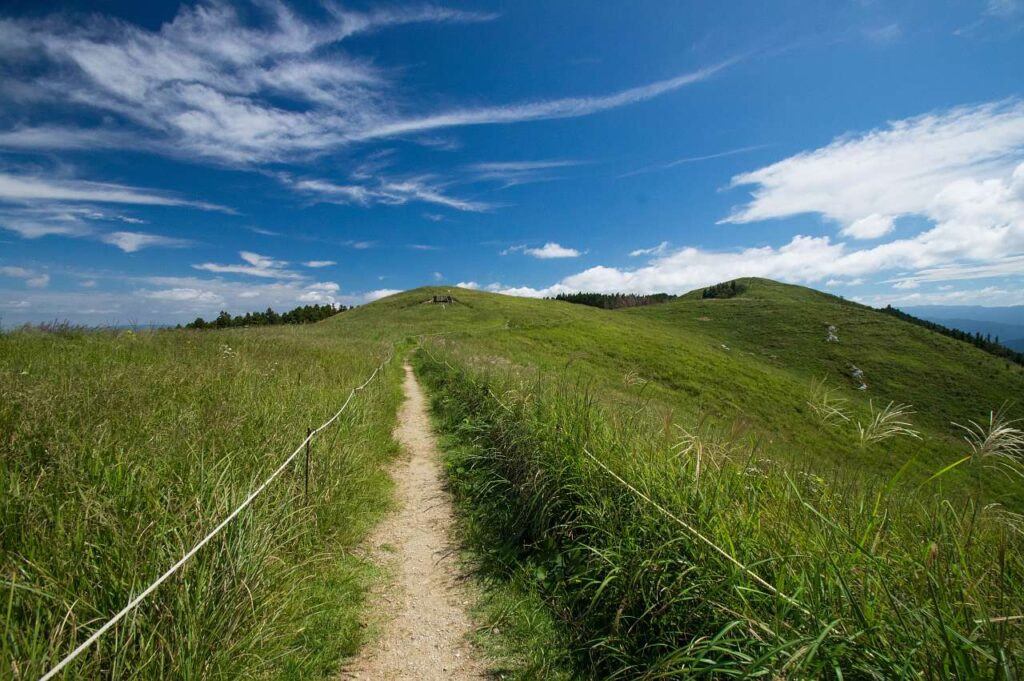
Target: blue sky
(160, 161)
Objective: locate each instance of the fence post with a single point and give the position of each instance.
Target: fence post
(309, 431)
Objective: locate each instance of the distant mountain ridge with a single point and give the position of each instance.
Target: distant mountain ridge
(1006, 323)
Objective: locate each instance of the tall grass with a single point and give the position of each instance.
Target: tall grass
(747, 569)
(119, 450)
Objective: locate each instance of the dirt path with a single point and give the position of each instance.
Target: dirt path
(424, 615)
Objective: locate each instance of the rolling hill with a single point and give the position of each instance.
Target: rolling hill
(650, 492)
(749, 362)
(656, 492)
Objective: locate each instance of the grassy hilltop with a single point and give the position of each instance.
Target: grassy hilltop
(784, 543)
(655, 490)
(749, 363)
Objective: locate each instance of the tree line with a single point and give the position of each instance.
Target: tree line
(726, 289)
(987, 343)
(614, 301)
(306, 314)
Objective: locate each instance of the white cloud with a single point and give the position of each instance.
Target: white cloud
(256, 265)
(513, 173)
(172, 299)
(468, 284)
(883, 35)
(130, 242)
(31, 278)
(693, 159)
(871, 227)
(660, 249)
(438, 276)
(960, 170)
(903, 169)
(191, 295)
(552, 250)
(319, 263)
(27, 189)
(320, 292)
(989, 295)
(567, 107)
(383, 191)
(371, 296)
(207, 83)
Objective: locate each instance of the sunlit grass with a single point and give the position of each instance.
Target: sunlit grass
(119, 450)
(750, 568)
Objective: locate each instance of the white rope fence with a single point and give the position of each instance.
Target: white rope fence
(686, 526)
(195, 549)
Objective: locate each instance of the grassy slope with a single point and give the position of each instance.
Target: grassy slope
(118, 451)
(887, 583)
(673, 356)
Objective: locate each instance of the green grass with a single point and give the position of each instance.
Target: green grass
(672, 357)
(703, 406)
(118, 451)
(662, 556)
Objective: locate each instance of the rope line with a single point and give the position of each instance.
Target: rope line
(195, 549)
(695, 532)
(685, 525)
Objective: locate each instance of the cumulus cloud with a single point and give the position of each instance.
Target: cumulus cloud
(32, 278)
(961, 170)
(319, 263)
(172, 299)
(377, 294)
(870, 227)
(552, 250)
(910, 167)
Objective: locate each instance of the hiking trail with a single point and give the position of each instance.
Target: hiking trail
(423, 614)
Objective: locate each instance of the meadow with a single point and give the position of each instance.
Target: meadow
(120, 450)
(695, 488)
(660, 492)
(665, 552)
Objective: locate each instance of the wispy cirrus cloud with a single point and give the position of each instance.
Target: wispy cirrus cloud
(693, 159)
(41, 219)
(208, 83)
(513, 173)
(567, 107)
(660, 249)
(130, 242)
(253, 265)
(391, 192)
(29, 189)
